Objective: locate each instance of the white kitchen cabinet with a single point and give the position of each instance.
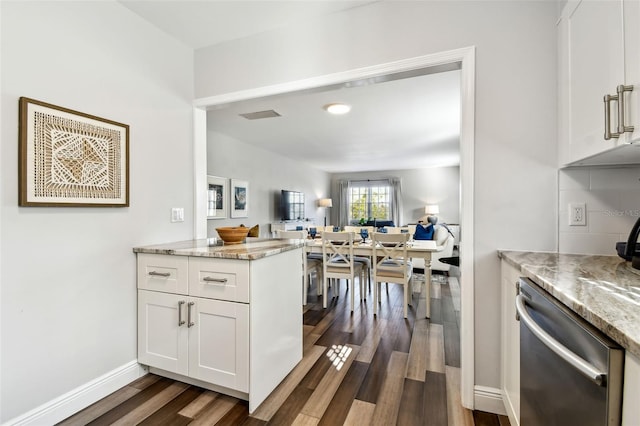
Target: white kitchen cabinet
(510, 344)
(237, 329)
(200, 338)
(162, 341)
(630, 405)
(598, 51)
(219, 343)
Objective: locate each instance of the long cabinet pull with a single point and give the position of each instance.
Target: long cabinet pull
(621, 109)
(180, 320)
(189, 322)
(215, 280)
(159, 274)
(607, 117)
(584, 367)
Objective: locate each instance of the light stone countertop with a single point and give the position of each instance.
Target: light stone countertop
(252, 249)
(604, 290)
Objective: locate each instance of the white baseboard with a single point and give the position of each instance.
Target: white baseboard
(489, 400)
(511, 412)
(81, 397)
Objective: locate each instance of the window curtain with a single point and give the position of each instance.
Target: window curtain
(343, 203)
(396, 201)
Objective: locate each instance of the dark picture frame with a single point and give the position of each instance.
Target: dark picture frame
(68, 158)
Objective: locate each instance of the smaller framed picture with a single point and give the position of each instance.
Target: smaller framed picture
(217, 204)
(239, 198)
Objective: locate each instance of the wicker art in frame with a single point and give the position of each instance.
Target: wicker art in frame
(72, 159)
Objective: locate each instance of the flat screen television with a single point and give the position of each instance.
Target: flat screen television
(291, 205)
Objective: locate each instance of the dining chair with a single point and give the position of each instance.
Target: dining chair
(392, 229)
(365, 260)
(391, 265)
(311, 263)
(339, 263)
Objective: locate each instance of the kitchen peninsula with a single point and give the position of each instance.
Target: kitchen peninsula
(223, 317)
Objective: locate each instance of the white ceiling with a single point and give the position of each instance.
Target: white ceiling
(407, 121)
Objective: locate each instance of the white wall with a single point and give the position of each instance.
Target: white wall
(612, 199)
(434, 185)
(267, 173)
(515, 140)
(68, 289)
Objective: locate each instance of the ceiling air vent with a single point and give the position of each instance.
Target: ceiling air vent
(260, 114)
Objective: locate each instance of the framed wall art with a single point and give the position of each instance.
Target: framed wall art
(239, 198)
(217, 196)
(71, 159)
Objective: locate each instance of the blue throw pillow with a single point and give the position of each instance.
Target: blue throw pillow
(423, 232)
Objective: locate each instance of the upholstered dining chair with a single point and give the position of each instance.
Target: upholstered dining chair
(391, 265)
(310, 263)
(339, 263)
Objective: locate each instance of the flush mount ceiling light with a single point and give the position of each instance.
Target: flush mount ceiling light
(337, 108)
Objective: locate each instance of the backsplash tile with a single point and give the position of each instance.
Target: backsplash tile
(612, 198)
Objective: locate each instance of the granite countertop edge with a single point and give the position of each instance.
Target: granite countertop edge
(252, 249)
(601, 289)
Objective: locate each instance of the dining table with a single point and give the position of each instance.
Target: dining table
(415, 248)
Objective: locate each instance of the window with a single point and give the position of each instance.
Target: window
(369, 200)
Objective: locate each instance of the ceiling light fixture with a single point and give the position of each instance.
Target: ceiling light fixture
(337, 108)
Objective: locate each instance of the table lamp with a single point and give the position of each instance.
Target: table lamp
(431, 210)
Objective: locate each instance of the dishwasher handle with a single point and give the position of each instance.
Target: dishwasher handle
(562, 351)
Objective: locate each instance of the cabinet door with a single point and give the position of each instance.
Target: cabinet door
(219, 343)
(632, 66)
(510, 344)
(162, 340)
(630, 406)
(595, 67)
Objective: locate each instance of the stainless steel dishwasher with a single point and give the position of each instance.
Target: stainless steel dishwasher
(570, 372)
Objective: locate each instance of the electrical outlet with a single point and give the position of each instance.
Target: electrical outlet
(577, 214)
(177, 214)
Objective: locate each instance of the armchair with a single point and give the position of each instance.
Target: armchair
(442, 237)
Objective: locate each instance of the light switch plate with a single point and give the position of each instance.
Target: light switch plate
(177, 214)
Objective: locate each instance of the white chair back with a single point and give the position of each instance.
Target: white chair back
(337, 250)
(338, 262)
(391, 265)
(292, 235)
(390, 252)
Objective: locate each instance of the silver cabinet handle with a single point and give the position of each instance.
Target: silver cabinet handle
(607, 117)
(180, 321)
(574, 360)
(159, 274)
(621, 109)
(215, 280)
(189, 322)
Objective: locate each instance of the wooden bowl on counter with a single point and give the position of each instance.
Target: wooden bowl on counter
(233, 234)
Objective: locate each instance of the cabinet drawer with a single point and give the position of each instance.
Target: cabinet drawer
(222, 279)
(169, 274)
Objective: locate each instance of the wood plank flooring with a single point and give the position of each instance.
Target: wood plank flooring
(356, 370)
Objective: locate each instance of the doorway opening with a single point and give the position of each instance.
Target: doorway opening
(464, 59)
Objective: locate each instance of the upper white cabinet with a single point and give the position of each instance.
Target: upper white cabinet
(599, 55)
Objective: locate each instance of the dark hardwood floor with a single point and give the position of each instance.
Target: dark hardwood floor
(356, 370)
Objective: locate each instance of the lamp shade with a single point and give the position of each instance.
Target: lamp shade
(431, 209)
(325, 202)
